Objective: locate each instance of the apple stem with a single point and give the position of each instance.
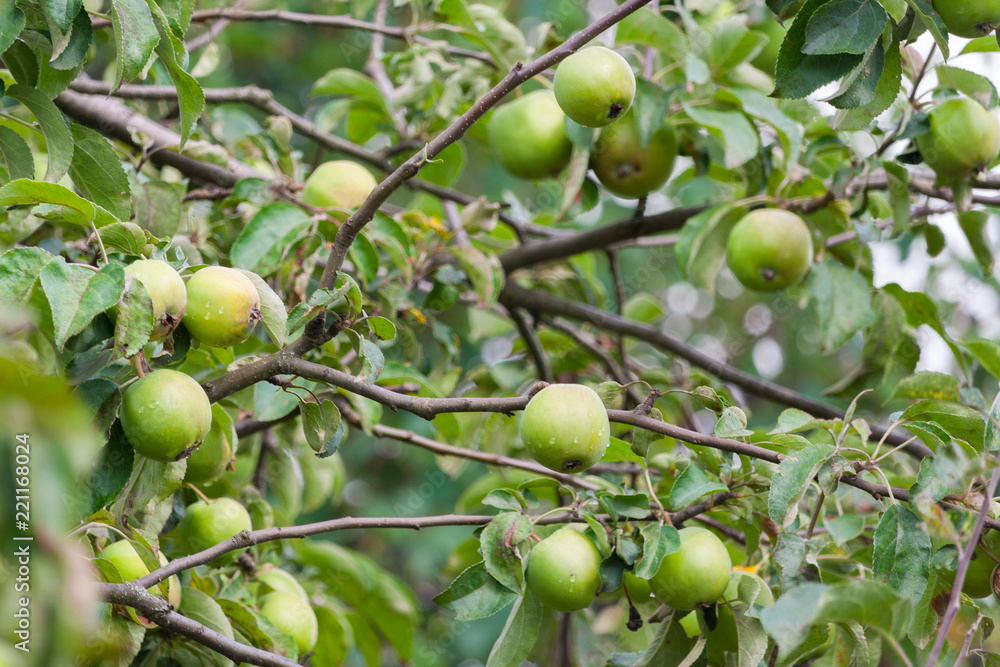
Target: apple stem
(198, 493)
(138, 364)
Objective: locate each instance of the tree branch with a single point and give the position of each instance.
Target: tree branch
(598, 238)
(518, 75)
(538, 301)
(535, 348)
(263, 99)
(158, 611)
(321, 21)
(114, 119)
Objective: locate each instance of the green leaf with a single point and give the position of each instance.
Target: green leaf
(791, 481)
(844, 528)
(658, 542)
(113, 465)
(59, 15)
(798, 74)
(933, 22)
(991, 435)
(519, 635)
(844, 26)
(974, 225)
(258, 629)
(902, 552)
(19, 269)
(336, 637)
(97, 172)
(860, 87)
(484, 271)
(11, 23)
(732, 423)
(792, 419)
(692, 485)
(701, 244)
(24, 191)
(976, 86)
(648, 28)
(322, 426)
(173, 54)
(344, 81)
(262, 243)
(381, 328)
(305, 311)
(201, 608)
(58, 138)
(158, 207)
(927, 384)
(272, 309)
(987, 353)
(960, 421)
(860, 601)
(618, 450)
(150, 482)
(501, 543)
(77, 295)
(16, 155)
(739, 139)
(920, 309)
(475, 594)
(74, 55)
(843, 303)
(126, 237)
(381, 598)
(134, 321)
(643, 439)
(761, 107)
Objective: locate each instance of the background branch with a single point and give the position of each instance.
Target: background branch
(543, 302)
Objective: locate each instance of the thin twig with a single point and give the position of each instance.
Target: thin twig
(535, 348)
(965, 557)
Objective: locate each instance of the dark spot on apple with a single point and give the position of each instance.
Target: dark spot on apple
(572, 465)
(616, 110)
(768, 273)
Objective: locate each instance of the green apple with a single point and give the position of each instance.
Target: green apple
(595, 86)
(528, 136)
(322, 480)
(292, 615)
(564, 570)
(275, 579)
(165, 415)
(725, 635)
(166, 291)
(565, 427)
(697, 573)
(638, 589)
(690, 624)
(969, 18)
(769, 249)
(205, 524)
(223, 306)
(338, 184)
(128, 563)
(625, 166)
(963, 138)
(207, 463)
(978, 578)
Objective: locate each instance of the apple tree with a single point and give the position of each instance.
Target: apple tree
(438, 332)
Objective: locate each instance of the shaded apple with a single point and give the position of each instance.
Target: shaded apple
(165, 415)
